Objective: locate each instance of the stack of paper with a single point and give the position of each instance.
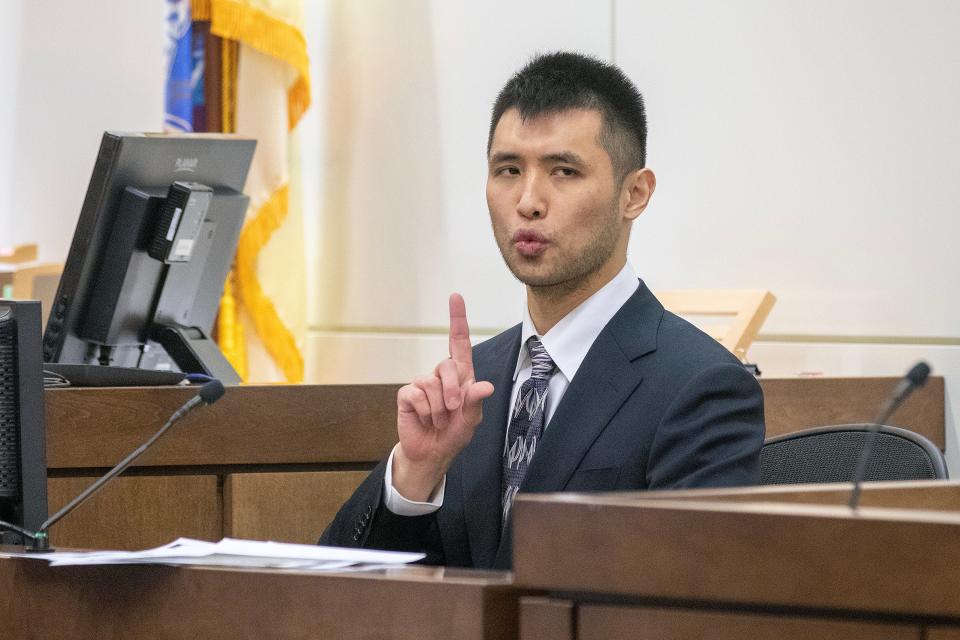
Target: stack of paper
(230, 552)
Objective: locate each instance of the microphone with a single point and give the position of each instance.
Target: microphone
(208, 394)
(915, 378)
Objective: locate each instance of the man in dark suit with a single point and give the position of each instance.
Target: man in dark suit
(598, 388)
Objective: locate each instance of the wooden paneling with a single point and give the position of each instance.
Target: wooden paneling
(744, 554)
(287, 507)
(279, 424)
(137, 512)
(935, 495)
(319, 424)
(792, 404)
(272, 431)
(141, 602)
(546, 618)
(597, 622)
(943, 633)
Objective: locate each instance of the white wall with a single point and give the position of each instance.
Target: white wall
(804, 148)
(69, 71)
(10, 55)
(407, 96)
(407, 89)
(807, 148)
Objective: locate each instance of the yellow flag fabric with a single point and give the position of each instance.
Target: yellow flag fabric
(272, 92)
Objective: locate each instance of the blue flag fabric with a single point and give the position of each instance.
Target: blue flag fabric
(200, 32)
(179, 53)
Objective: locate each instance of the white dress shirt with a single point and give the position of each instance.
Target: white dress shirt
(567, 342)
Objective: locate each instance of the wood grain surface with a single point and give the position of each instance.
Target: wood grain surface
(290, 430)
(544, 618)
(792, 404)
(598, 622)
(287, 507)
(935, 495)
(137, 512)
(141, 602)
(323, 424)
(265, 424)
(887, 561)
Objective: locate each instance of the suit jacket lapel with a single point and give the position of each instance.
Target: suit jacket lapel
(482, 469)
(606, 378)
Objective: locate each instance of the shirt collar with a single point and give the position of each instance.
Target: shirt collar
(570, 339)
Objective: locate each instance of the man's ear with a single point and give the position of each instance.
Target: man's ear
(638, 188)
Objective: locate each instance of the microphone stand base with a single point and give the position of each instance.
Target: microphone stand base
(41, 544)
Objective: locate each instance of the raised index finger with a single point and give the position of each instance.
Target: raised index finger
(460, 350)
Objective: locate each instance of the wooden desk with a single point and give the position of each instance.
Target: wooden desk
(265, 462)
(131, 602)
(792, 404)
(784, 563)
(276, 461)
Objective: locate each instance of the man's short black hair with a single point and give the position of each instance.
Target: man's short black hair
(563, 80)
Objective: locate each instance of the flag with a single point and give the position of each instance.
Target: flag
(179, 58)
(265, 89)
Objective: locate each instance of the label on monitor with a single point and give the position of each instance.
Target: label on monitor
(181, 218)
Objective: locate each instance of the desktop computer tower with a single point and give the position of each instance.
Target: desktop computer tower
(23, 468)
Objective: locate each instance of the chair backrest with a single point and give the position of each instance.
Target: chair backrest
(38, 282)
(18, 254)
(732, 317)
(830, 454)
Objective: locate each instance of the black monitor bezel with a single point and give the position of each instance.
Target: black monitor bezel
(124, 160)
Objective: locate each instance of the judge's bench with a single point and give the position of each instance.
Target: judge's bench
(275, 462)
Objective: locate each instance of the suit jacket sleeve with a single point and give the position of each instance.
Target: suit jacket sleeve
(364, 521)
(711, 433)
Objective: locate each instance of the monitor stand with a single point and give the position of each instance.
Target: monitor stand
(194, 352)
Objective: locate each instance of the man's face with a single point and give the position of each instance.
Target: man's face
(554, 200)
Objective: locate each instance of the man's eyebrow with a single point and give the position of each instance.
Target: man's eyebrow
(504, 156)
(565, 157)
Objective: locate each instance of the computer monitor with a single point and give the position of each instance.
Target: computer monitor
(23, 467)
(152, 248)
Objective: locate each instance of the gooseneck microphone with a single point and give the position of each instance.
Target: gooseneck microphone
(208, 394)
(915, 378)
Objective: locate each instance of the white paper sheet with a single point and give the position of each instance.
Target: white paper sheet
(231, 552)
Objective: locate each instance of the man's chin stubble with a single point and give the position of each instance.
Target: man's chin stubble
(549, 285)
(559, 285)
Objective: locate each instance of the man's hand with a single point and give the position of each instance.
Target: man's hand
(437, 414)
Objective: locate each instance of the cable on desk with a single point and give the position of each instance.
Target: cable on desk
(52, 380)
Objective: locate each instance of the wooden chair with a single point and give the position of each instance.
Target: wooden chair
(38, 282)
(10, 258)
(18, 254)
(734, 318)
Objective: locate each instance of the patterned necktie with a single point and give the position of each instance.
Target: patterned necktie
(526, 423)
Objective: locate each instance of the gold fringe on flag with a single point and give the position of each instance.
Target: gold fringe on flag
(236, 20)
(277, 338)
(228, 86)
(229, 331)
(200, 10)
